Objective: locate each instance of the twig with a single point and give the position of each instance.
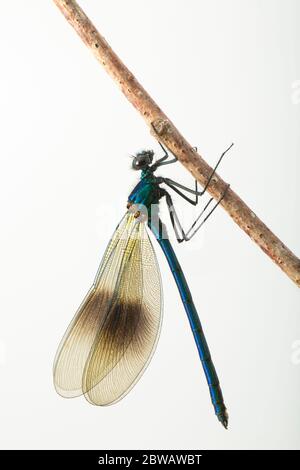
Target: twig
(165, 131)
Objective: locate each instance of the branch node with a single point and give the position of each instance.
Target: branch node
(161, 127)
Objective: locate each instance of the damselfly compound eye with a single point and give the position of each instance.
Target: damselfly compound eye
(142, 160)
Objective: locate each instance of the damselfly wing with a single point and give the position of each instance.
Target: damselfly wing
(112, 337)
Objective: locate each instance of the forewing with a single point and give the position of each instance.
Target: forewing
(78, 340)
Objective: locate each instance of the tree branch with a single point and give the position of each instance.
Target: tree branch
(165, 131)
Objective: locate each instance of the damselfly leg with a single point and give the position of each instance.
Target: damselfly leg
(164, 159)
(181, 235)
(171, 183)
(177, 226)
(184, 196)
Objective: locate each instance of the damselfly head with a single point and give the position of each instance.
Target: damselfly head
(142, 159)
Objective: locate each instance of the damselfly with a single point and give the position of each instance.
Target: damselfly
(112, 337)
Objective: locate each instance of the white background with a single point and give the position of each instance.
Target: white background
(223, 71)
